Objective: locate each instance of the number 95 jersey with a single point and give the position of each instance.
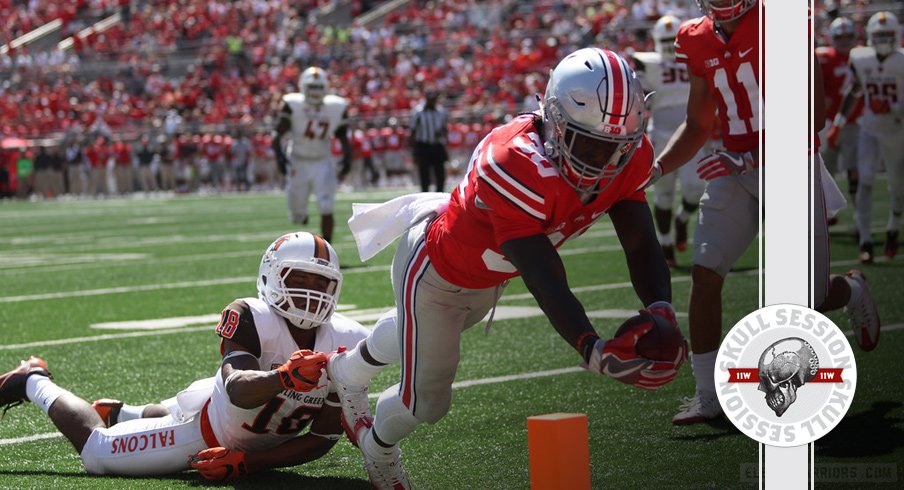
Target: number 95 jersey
(669, 83)
(731, 69)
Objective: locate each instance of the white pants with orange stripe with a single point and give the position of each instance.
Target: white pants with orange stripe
(144, 447)
(310, 176)
(432, 314)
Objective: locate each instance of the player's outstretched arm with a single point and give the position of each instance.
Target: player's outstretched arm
(696, 129)
(249, 387)
(543, 273)
(647, 266)
(224, 464)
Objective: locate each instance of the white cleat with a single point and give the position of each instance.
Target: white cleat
(385, 469)
(862, 314)
(703, 406)
(356, 414)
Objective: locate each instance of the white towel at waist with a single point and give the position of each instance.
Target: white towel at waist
(834, 198)
(376, 225)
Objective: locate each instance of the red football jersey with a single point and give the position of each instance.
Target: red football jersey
(836, 73)
(511, 191)
(732, 71)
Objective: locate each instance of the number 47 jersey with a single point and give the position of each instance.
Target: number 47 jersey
(731, 69)
(313, 125)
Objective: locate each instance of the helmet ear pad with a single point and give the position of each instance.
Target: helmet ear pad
(300, 279)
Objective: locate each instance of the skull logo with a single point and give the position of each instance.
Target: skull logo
(784, 367)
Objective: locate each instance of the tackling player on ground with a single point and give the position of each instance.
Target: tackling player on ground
(531, 184)
(253, 414)
(312, 118)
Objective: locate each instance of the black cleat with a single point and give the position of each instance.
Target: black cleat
(891, 244)
(669, 252)
(866, 253)
(680, 234)
(12, 384)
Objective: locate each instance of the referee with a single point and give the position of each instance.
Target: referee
(428, 139)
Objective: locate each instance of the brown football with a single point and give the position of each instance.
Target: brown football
(661, 343)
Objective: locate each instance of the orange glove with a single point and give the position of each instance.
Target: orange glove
(219, 463)
(303, 370)
(832, 136)
(879, 106)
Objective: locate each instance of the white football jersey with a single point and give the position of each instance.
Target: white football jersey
(880, 81)
(313, 126)
(671, 85)
(283, 417)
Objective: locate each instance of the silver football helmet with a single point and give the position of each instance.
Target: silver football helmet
(593, 117)
(314, 84)
(664, 33)
(299, 278)
(725, 10)
(843, 34)
(884, 33)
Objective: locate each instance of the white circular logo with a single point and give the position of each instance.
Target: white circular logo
(785, 375)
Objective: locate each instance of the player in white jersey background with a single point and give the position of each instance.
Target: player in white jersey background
(253, 414)
(311, 118)
(669, 83)
(834, 61)
(878, 77)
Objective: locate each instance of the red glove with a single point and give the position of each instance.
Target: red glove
(303, 370)
(219, 463)
(663, 374)
(723, 163)
(832, 136)
(618, 358)
(879, 106)
(663, 309)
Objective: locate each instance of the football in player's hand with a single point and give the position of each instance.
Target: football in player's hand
(661, 343)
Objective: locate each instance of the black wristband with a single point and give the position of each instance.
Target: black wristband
(585, 344)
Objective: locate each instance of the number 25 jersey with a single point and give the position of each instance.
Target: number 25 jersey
(731, 69)
(881, 81)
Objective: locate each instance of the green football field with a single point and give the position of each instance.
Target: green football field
(120, 296)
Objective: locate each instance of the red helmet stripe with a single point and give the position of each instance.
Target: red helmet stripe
(618, 98)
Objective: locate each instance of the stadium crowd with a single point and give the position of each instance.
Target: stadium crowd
(246, 54)
(114, 87)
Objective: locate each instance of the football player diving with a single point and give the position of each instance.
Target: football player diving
(532, 184)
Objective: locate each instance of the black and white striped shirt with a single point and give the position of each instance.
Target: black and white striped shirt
(428, 125)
